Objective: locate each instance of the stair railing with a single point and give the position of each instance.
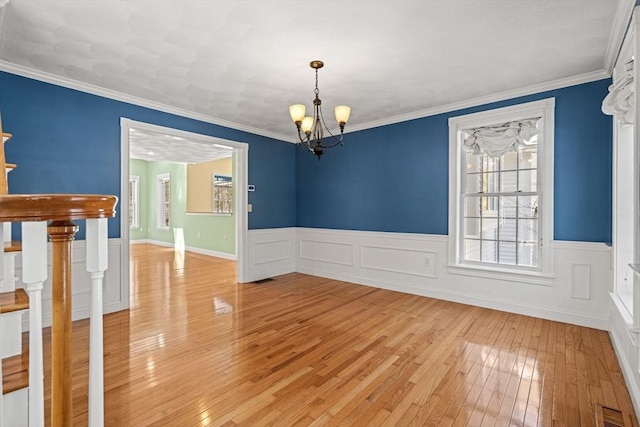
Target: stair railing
(53, 215)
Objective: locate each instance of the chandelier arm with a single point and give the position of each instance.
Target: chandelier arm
(304, 140)
(335, 138)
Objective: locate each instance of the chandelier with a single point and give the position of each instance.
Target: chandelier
(311, 129)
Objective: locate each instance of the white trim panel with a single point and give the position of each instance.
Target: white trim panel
(417, 264)
(270, 253)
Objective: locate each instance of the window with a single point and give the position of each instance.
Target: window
(501, 187)
(222, 194)
(164, 200)
(134, 200)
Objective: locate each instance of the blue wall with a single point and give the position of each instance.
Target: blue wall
(391, 178)
(395, 178)
(67, 141)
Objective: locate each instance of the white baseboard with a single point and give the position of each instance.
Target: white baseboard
(217, 254)
(492, 303)
(138, 241)
(159, 243)
(417, 264)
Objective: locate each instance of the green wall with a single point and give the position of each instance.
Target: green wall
(199, 231)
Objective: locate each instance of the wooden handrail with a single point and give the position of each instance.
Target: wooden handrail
(55, 207)
(61, 209)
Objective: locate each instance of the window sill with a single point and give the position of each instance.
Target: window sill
(529, 277)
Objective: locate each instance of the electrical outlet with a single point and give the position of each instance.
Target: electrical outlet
(198, 235)
(427, 262)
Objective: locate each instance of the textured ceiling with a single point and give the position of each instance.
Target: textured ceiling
(241, 63)
(153, 146)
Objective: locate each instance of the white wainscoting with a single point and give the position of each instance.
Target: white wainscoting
(625, 343)
(417, 264)
(112, 288)
(271, 253)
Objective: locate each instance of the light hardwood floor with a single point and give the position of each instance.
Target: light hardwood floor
(196, 349)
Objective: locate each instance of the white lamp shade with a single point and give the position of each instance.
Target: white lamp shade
(342, 113)
(307, 124)
(297, 112)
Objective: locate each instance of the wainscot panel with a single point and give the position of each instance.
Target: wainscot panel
(270, 253)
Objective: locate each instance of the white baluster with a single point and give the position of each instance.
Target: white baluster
(34, 273)
(97, 262)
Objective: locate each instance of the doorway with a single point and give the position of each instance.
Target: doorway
(239, 151)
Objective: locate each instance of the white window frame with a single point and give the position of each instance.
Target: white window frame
(160, 201)
(135, 195)
(544, 273)
(216, 189)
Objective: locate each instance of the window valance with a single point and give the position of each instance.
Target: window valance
(497, 140)
(619, 102)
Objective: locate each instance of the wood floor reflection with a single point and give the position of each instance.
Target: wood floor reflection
(197, 349)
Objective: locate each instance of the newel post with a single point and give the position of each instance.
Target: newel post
(61, 234)
(34, 273)
(97, 262)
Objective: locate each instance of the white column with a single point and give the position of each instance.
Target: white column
(97, 262)
(34, 273)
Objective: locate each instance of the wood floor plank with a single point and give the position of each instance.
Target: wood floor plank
(198, 349)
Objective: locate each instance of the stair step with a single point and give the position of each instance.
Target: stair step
(14, 301)
(15, 371)
(13, 246)
(10, 166)
(5, 136)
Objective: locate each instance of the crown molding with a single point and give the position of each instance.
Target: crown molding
(621, 22)
(474, 102)
(119, 96)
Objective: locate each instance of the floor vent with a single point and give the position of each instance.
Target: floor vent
(261, 281)
(610, 417)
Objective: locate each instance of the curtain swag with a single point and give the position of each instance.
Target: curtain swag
(619, 101)
(494, 141)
